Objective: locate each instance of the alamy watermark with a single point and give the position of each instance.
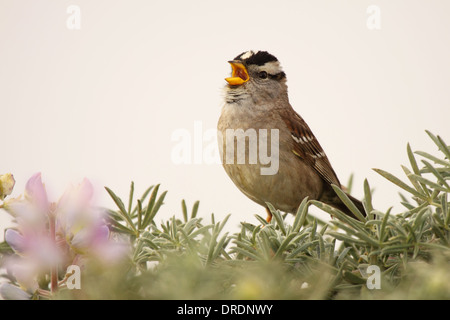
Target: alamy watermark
(373, 274)
(73, 277)
(373, 21)
(237, 146)
(73, 21)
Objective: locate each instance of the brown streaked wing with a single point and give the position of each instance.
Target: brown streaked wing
(307, 147)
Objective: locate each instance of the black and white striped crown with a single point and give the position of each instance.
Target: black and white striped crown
(258, 58)
(263, 59)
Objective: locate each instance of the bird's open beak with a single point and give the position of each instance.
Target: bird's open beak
(239, 74)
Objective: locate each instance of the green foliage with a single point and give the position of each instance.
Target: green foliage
(307, 259)
(186, 258)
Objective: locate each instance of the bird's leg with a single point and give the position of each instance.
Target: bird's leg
(269, 215)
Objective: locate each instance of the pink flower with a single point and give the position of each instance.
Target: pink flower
(10, 292)
(37, 246)
(35, 193)
(52, 236)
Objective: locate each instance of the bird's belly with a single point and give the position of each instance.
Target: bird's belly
(284, 190)
(289, 179)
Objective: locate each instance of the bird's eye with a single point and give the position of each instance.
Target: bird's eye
(263, 75)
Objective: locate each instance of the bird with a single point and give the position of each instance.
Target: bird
(256, 103)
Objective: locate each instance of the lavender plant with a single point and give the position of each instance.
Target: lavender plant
(383, 255)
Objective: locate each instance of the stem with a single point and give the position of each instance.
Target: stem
(44, 293)
(54, 269)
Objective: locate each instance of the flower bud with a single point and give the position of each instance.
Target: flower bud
(6, 185)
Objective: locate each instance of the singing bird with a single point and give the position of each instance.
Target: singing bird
(256, 101)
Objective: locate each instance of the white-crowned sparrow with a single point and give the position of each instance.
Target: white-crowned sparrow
(256, 101)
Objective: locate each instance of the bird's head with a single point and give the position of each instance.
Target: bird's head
(257, 73)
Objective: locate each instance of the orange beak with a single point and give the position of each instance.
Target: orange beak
(239, 74)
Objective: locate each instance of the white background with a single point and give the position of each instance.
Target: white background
(102, 102)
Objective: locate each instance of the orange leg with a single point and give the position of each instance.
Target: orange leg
(269, 215)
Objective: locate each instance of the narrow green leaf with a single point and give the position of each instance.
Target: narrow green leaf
(122, 211)
(440, 143)
(383, 234)
(246, 253)
(337, 279)
(301, 249)
(373, 223)
(402, 232)
(142, 199)
(174, 229)
(117, 201)
(445, 209)
(353, 278)
(264, 244)
(247, 246)
(404, 199)
(139, 214)
(224, 221)
(343, 254)
(350, 184)
(130, 198)
(299, 237)
(324, 228)
(247, 226)
(346, 238)
(151, 203)
(436, 174)
(399, 183)
(433, 158)
(416, 251)
(429, 183)
(312, 234)
(184, 210)
(212, 245)
(367, 197)
(321, 247)
(434, 246)
(137, 250)
(195, 209)
(255, 231)
(412, 159)
(190, 242)
(147, 239)
(359, 233)
(219, 247)
(150, 215)
(437, 231)
(445, 147)
(200, 230)
(411, 233)
(122, 229)
(190, 225)
(418, 186)
(261, 220)
(114, 215)
(400, 248)
(420, 217)
(349, 203)
(414, 210)
(339, 214)
(284, 245)
(408, 206)
(276, 214)
(300, 216)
